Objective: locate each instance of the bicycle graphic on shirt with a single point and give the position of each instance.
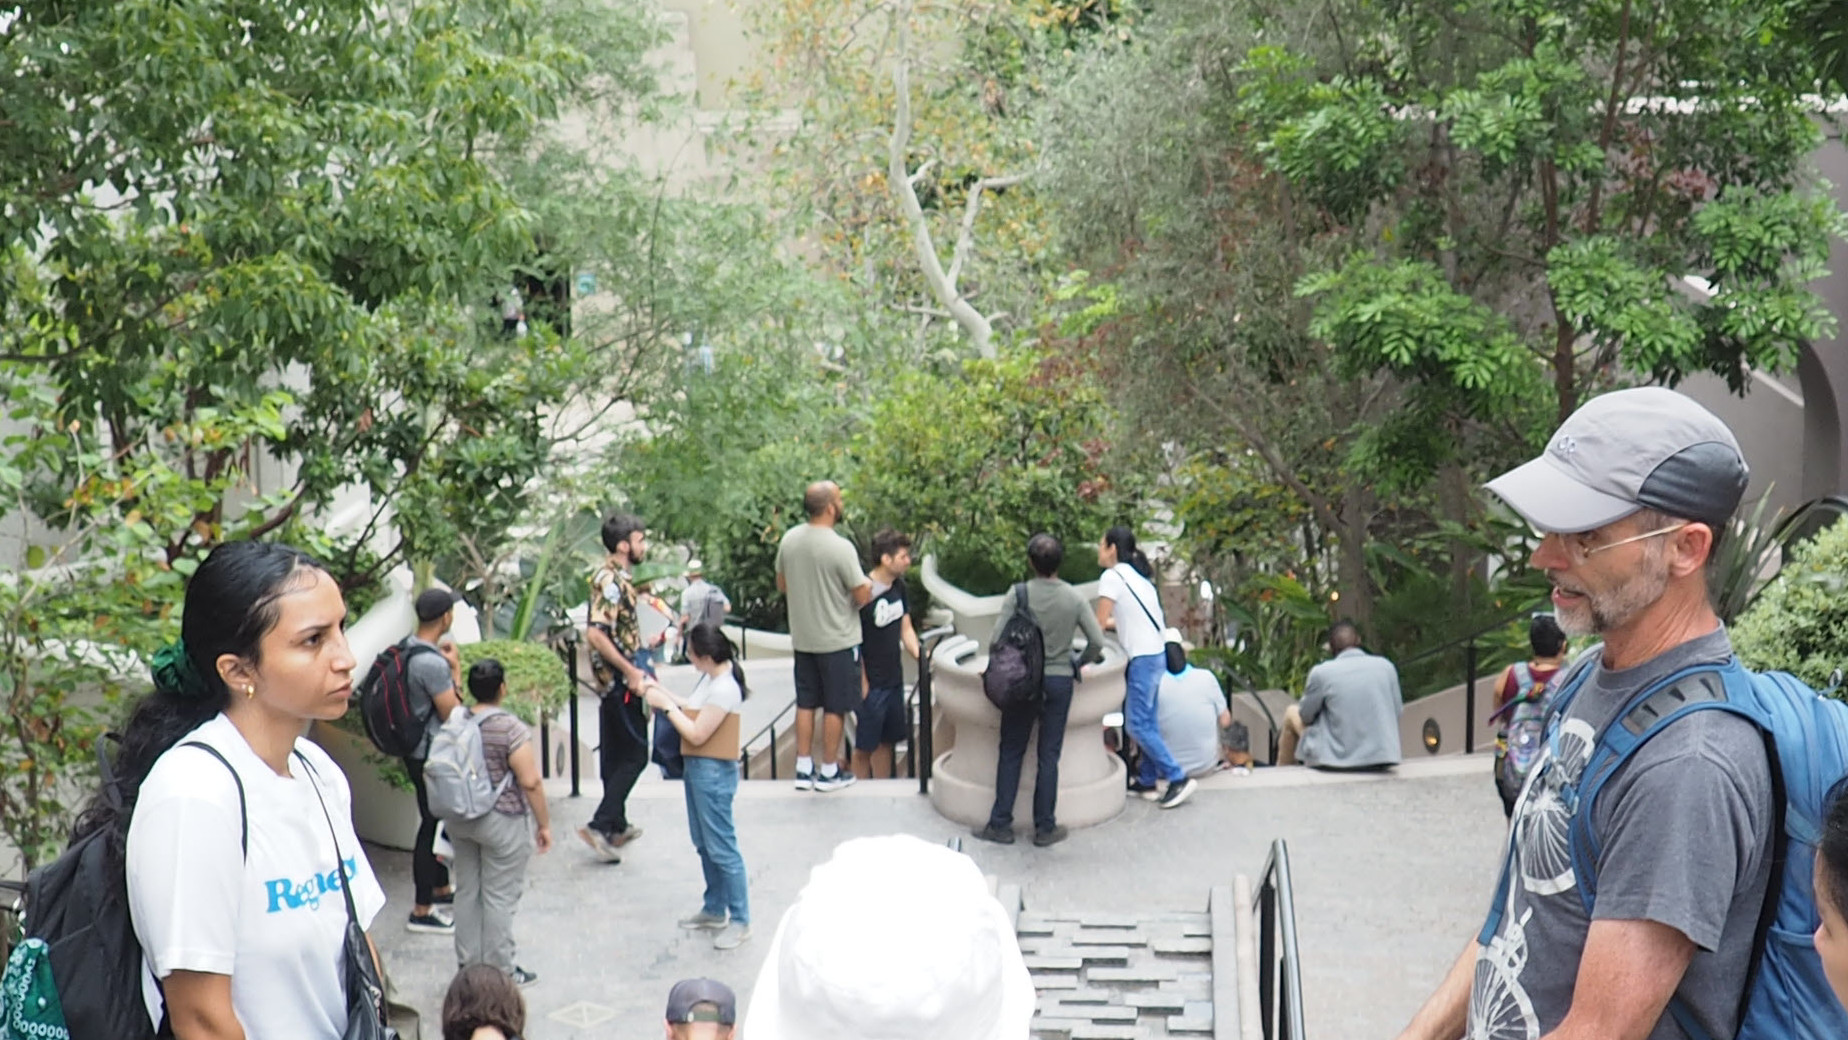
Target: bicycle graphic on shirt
(1499, 1007)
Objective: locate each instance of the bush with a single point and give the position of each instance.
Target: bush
(1800, 622)
(537, 683)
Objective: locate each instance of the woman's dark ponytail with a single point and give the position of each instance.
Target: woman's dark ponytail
(710, 641)
(231, 603)
(1124, 540)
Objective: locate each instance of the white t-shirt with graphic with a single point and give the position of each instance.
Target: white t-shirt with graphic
(1124, 586)
(275, 922)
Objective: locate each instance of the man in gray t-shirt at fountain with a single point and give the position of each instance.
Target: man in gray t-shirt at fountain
(1060, 612)
(1629, 497)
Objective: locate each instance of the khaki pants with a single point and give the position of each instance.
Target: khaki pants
(490, 872)
(1292, 734)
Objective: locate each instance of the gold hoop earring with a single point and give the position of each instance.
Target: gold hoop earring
(250, 690)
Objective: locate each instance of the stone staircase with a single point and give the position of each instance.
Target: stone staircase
(1117, 976)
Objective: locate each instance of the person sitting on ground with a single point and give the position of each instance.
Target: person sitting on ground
(701, 1009)
(493, 850)
(1191, 711)
(1349, 715)
(483, 1003)
(1060, 612)
(850, 961)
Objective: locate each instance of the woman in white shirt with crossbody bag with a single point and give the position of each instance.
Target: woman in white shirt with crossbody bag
(1128, 604)
(248, 889)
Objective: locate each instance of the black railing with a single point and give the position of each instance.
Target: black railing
(923, 736)
(1276, 732)
(744, 750)
(1471, 657)
(1280, 971)
(566, 647)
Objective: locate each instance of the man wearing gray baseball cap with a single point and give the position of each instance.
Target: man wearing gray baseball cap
(701, 1009)
(1629, 498)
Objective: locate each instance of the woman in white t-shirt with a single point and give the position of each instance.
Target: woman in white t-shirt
(1128, 604)
(235, 851)
(708, 721)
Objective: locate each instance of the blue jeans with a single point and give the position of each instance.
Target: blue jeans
(1016, 728)
(1143, 680)
(710, 785)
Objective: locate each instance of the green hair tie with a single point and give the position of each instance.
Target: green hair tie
(174, 672)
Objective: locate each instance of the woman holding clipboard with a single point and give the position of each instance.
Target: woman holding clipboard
(708, 722)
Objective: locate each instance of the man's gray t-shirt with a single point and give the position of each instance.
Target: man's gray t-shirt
(821, 569)
(1684, 829)
(426, 676)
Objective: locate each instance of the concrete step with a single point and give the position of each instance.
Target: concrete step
(1133, 976)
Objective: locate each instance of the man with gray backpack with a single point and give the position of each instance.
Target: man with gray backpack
(1658, 876)
(476, 760)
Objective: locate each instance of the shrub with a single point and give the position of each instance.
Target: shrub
(537, 683)
(1800, 622)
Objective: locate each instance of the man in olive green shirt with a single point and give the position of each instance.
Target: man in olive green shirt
(820, 573)
(1059, 611)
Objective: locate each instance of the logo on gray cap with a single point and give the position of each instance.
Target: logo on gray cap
(1648, 447)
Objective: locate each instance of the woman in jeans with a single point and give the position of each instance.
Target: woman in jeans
(1128, 604)
(707, 721)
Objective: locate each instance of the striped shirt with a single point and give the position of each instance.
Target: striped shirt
(502, 735)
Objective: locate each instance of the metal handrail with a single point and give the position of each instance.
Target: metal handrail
(1280, 970)
(744, 750)
(924, 735)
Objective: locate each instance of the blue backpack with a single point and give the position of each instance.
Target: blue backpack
(1806, 739)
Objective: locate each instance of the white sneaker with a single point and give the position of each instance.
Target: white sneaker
(703, 921)
(732, 937)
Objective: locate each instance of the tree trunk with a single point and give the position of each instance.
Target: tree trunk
(1356, 602)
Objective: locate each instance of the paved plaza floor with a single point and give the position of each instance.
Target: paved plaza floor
(1392, 876)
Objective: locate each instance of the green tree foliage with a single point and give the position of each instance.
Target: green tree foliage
(1799, 623)
(977, 463)
(205, 204)
(1381, 249)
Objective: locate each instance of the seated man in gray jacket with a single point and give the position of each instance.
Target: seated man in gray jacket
(1349, 714)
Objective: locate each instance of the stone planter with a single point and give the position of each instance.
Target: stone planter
(1092, 781)
(382, 814)
(975, 615)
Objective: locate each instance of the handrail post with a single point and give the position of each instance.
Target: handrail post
(1469, 697)
(922, 746)
(568, 650)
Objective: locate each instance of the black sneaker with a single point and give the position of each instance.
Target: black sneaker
(1146, 792)
(431, 923)
(998, 835)
(1178, 792)
(522, 977)
(1050, 837)
(841, 778)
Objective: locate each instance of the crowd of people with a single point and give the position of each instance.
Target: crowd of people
(1652, 845)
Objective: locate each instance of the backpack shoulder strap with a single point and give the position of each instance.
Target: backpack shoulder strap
(243, 806)
(1523, 680)
(1021, 605)
(1699, 688)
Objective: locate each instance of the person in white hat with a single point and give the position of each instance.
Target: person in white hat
(700, 601)
(1649, 931)
(894, 938)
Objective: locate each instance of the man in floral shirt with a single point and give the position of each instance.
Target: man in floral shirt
(614, 635)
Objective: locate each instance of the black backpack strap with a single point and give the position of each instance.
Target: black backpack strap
(1131, 589)
(1021, 606)
(243, 806)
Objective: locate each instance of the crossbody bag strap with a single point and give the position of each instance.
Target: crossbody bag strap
(346, 886)
(1146, 612)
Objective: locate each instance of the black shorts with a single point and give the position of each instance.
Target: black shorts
(830, 681)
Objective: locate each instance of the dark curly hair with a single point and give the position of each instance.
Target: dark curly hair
(482, 995)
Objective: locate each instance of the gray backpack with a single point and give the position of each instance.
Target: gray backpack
(456, 771)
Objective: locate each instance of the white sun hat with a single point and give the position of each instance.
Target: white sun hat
(894, 938)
